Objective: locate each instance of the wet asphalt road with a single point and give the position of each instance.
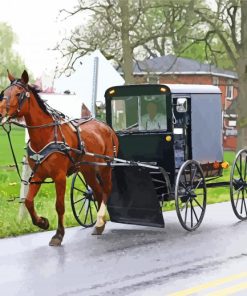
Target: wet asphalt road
(130, 260)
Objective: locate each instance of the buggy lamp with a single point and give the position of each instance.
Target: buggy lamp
(163, 89)
(216, 165)
(112, 92)
(168, 138)
(225, 165)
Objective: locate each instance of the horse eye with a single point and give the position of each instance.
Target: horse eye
(18, 94)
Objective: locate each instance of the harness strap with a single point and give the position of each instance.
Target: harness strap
(50, 148)
(12, 149)
(80, 142)
(16, 164)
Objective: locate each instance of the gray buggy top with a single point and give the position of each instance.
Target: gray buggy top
(206, 120)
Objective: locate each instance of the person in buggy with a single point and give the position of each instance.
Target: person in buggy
(153, 119)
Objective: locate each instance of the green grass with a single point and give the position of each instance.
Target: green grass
(10, 223)
(218, 194)
(222, 194)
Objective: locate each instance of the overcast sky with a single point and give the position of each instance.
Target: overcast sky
(38, 27)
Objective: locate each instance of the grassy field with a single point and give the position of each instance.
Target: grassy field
(10, 222)
(219, 194)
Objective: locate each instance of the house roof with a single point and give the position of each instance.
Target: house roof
(171, 64)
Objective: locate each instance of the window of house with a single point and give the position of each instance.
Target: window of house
(229, 89)
(153, 79)
(232, 123)
(231, 132)
(216, 80)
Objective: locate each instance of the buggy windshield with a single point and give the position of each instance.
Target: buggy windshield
(139, 113)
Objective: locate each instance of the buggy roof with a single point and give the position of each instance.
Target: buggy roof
(193, 89)
(184, 89)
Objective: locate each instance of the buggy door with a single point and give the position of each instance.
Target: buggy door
(182, 131)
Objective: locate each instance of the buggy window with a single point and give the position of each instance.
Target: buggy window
(139, 113)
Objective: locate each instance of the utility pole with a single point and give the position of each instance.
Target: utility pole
(95, 85)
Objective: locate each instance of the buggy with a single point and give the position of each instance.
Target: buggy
(176, 160)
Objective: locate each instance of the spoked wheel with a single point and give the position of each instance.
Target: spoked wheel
(83, 204)
(238, 185)
(190, 195)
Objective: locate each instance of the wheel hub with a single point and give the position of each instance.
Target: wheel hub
(189, 195)
(192, 194)
(239, 183)
(89, 195)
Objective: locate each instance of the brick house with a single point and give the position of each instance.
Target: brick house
(171, 69)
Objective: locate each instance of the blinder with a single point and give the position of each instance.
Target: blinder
(1, 95)
(20, 96)
(21, 99)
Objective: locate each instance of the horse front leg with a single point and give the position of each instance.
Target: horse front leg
(41, 222)
(60, 184)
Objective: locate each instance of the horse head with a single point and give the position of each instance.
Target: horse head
(13, 100)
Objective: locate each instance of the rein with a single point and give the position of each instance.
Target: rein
(55, 123)
(57, 117)
(56, 146)
(8, 130)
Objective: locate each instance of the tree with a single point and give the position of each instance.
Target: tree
(242, 75)
(8, 58)
(228, 23)
(125, 40)
(127, 30)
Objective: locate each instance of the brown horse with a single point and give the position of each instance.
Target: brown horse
(45, 127)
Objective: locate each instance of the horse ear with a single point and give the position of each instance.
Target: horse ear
(25, 77)
(10, 76)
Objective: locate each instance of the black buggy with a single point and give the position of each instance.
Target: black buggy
(176, 154)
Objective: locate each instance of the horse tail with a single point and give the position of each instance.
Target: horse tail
(114, 138)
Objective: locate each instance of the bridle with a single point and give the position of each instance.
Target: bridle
(21, 97)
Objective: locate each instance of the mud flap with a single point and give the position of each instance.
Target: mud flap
(133, 199)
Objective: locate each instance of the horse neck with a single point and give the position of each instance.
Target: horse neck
(39, 136)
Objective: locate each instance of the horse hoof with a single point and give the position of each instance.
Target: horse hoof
(98, 230)
(56, 240)
(43, 223)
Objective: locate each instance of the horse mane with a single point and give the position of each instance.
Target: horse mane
(46, 107)
(40, 102)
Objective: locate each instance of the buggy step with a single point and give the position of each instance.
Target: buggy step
(161, 184)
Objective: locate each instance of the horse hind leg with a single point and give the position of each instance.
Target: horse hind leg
(105, 183)
(101, 222)
(104, 180)
(93, 179)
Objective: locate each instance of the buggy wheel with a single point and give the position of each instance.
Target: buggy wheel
(238, 185)
(190, 195)
(83, 204)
